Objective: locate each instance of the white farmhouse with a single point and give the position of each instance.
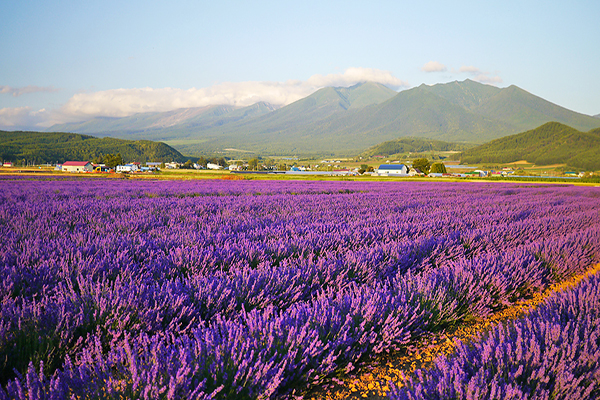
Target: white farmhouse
(77, 166)
(392, 170)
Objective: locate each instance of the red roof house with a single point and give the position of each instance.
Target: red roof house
(77, 166)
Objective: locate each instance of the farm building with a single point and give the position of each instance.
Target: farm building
(213, 166)
(77, 166)
(392, 170)
(128, 168)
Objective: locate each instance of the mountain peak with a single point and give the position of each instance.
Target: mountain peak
(467, 94)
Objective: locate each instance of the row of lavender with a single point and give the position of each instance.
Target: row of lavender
(249, 289)
(552, 353)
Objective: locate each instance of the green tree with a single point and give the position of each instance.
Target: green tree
(438, 168)
(253, 164)
(189, 164)
(112, 160)
(422, 164)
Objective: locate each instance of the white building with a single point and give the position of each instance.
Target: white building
(127, 168)
(77, 166)
(213, 166)
(392, 170)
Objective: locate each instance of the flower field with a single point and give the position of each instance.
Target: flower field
(258, 289)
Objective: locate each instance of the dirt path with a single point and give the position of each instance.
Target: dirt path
(371, 381)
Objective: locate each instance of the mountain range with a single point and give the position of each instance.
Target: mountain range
(341, 121)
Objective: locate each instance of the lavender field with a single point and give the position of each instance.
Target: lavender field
(258, 289)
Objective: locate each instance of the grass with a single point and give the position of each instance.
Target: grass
(189, 174)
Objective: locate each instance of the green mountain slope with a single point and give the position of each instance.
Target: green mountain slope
(523, 110)
(551, 143)
(306, 126)
(51, 147)
(419, 112)
(413, 145)
(317, 107)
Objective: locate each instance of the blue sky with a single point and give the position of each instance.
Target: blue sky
(72, 60)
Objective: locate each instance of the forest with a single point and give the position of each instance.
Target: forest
(57, 147)
(551, 143)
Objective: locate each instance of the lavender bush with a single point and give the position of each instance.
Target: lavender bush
(552, 353)
(222, 289)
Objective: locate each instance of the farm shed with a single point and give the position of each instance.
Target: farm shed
(77, 166)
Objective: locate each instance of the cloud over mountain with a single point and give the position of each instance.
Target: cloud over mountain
(475, 73)
(125, 102)
(479, 75)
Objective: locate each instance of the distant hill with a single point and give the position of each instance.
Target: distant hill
(51, 147)
(413, 145)
(597, 116)
(348, 120)
(551, 143)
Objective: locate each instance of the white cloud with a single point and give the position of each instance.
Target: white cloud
(484, 78)
(355, 75)
(479, 75)
(433, 66)
(16, 92)
(125, 102)
(22, 117)
(469, 69)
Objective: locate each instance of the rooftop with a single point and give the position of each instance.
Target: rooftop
(392, 166)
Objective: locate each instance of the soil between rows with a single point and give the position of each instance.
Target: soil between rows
(373, 378)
